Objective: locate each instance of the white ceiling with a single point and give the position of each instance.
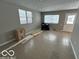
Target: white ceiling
(47, 5)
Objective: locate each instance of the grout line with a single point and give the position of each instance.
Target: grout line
(73, 49)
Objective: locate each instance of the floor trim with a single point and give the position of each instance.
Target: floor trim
(73, 49)
(7, 42)
(24, 40)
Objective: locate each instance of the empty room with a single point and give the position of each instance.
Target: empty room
(39, 29)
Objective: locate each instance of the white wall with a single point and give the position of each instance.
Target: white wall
(9, 20)
(75, 36)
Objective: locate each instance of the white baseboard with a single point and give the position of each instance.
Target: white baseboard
(7, 42)
(33, 31)
(73, 49)
(25, 39)
(22, 41)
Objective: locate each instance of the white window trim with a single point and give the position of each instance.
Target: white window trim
(66, 18)
(26, 17)
(54, 23)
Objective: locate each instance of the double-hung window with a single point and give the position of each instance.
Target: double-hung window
(25, 16)
(29, 17)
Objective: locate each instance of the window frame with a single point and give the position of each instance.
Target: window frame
(66, 17)
(29, 17)
(53, 15)
(20, 16)
(26, 17)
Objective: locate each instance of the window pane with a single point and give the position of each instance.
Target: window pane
(23, 21)
(29, 16)
(22, 16)
(29, 20)
(70, 19)
(51, 19)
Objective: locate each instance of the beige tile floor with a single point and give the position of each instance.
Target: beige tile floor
(47, 45)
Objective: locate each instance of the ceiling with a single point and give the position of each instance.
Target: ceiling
(47, 5)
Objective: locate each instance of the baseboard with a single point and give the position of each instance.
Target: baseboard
(37, 33)
(12, 40)
(73, 50)
(32, 32)
(19, 42)
(23, 40)
(7, 42)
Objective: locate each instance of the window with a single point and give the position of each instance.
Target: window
(22, 16)
(51, 19)
(70, 19)
(29, 16)
(25, 16)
